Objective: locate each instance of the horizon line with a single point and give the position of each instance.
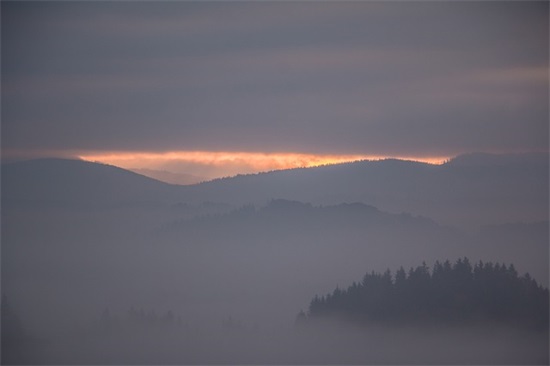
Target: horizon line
(196, 166)
(199, 166)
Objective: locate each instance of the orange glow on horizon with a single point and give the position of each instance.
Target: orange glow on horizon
(214, 164)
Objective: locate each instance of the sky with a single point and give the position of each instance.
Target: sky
(209, 88)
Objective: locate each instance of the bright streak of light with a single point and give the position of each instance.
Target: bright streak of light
(218, 164)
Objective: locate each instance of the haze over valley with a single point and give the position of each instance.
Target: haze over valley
(190, 182)
(79, 238)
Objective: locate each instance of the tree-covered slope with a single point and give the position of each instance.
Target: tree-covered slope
(455, 293)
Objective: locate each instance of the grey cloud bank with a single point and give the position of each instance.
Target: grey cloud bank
(418, 78)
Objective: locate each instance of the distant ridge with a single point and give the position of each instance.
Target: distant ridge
(68, 182)
(469, 190)
(474, 189)
(170, 177)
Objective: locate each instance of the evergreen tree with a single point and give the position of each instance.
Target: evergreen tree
(451, 293)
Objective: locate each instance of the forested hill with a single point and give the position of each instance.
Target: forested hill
(44, 183)
(470, 190)
(455, 293)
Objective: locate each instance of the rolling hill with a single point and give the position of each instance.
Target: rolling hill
(79, 237)
(75, 183)
(470, 190)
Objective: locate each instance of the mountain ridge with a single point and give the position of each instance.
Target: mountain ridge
(69, 182)
(501, 189)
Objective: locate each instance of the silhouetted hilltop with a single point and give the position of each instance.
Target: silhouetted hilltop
(496, 189)
(470, 190)
(284, 217)
(74, 183)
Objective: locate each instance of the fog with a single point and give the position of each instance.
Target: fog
(171, 282)
(101, 265)
(323, 344)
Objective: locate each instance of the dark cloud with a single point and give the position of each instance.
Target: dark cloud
(379, 78)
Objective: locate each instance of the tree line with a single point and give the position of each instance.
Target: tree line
(456, 292)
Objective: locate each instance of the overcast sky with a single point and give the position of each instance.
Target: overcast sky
(382, 78)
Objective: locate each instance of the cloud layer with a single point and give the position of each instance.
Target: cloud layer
(419, 78)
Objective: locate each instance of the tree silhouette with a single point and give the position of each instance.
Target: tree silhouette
(449, 293)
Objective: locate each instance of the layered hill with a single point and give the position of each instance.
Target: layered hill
(469, 190)
(76, 183)
(259, 246)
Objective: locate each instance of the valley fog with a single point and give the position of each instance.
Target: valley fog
(326, 343)
(218, 283)
(274, 182)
